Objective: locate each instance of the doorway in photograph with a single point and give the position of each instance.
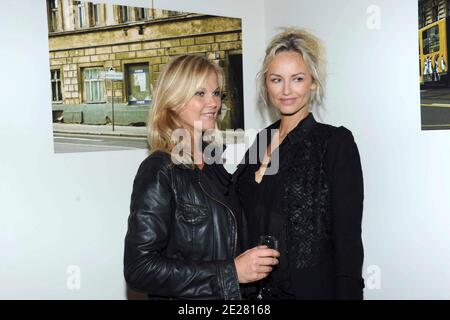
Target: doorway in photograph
(236, 90)
(138, 84)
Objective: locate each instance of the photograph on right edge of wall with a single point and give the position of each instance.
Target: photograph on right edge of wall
(434, 22)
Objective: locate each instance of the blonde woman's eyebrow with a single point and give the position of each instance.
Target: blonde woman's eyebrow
(280, 76)
(204, 89)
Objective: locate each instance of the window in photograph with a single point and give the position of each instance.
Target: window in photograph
(430, 40)
(141, 14)
(53, 15)
(174, 13)
(93, 85)
(435, 10)
(80, 14)
(124, 14)
(56, 85)
(95, 14)
(422, 17)
(138, 84)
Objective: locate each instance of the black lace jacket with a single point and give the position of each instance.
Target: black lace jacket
(321, 198)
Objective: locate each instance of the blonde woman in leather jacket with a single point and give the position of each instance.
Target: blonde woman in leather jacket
(184, 238)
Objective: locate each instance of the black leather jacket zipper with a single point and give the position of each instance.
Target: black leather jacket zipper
(231, 211)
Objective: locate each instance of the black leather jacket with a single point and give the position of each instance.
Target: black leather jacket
(182, 237)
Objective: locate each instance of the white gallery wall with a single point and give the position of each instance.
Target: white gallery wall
(63, 210)
(373, 89)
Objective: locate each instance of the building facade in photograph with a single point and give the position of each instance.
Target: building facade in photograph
(86, 40)
(431, 11)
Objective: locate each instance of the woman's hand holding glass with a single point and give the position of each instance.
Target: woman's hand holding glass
(256, 263)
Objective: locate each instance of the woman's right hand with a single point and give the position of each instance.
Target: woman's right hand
(255, 264)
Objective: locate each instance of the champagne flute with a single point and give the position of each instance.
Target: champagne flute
(272, 243)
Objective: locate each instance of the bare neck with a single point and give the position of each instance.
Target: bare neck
(289, 122)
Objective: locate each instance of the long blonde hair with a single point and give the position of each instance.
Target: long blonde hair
(176, 85)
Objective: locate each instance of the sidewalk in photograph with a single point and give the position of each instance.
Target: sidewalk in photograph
(126, 131)
(70, 138)
(435, 108)
(107, 130)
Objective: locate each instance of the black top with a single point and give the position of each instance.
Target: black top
(262, 209)
(220, 180)
(313, 205)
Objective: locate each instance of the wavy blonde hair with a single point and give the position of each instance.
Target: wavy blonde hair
(310, 48)
(177, 84)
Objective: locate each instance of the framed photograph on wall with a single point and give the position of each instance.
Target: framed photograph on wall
(105, 60)
(434, 36)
